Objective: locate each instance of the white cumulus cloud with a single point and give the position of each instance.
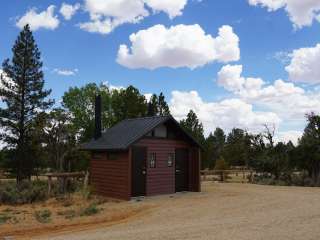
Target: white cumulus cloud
(178, 46)
(67, 10)
(284, 98)
(226, 114)
(66, 72)
(304, 65)
(45, 19)
(301, 12)
(113, 87)
(286, 136)
(172, 8)
(230, 78)
(105, 16)
(148, 96)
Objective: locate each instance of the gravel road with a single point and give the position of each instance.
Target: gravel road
(221, 211)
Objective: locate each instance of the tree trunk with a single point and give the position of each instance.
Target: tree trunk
(316, 175)
(21, 142)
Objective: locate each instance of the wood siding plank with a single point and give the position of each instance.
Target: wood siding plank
(110, 177)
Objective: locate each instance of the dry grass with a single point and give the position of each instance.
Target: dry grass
(222, 211)
(66, 215)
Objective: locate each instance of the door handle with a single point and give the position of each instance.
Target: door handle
(144, 172)
(177, 171)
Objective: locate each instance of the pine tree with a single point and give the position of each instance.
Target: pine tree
(24, 99)
(237, 148)
(153, 106)
(309, 148)
(157, 106)
(163, 106)
(193, 125)
(213, 146)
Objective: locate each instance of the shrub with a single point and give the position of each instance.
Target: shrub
(43, 216)
(90, 210)
(308, 182)
(4, 218)
(35, 191)
(297, 180)
(294, 179)
(25, 192)
(266, 180)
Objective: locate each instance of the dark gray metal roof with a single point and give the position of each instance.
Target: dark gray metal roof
(125, 133)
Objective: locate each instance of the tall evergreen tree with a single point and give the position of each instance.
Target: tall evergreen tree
(158, 106)
(237, 149)
(309, 149)
(193, 125)
(208, 156)
(24, 96)
(214, 145)
(153, 106)
(163, 107)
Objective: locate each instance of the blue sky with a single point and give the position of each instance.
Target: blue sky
(268, 36)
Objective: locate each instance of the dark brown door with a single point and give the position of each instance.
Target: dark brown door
(139, 158)
(182, 169)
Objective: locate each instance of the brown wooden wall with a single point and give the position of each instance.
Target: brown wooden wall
(161, 180)
(111, 178)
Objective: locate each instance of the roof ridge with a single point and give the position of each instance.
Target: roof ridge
(130, 119)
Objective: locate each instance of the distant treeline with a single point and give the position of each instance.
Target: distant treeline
(282, 163)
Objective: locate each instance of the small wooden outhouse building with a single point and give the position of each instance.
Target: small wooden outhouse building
(144, 157)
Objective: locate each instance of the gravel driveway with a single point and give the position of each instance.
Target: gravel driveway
(221, 211)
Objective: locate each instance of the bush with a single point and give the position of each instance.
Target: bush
(268, 180)
(308, 182)
(294, 179)
(90, 210)
(25, 192)
(4, 218)
(43, 216)
(297, 180)
(36, 191)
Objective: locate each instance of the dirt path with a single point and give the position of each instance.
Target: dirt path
(221, 211)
